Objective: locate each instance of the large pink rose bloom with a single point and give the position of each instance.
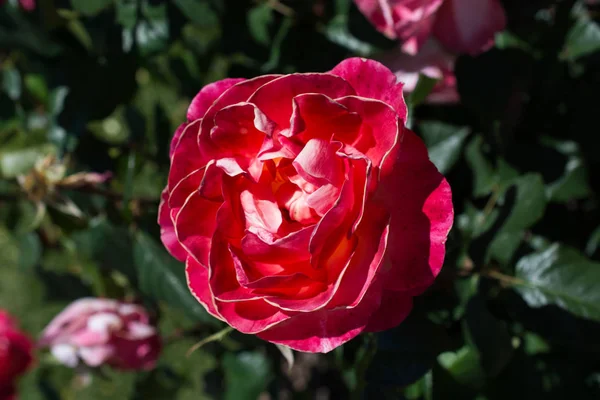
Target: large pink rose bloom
(304, 210)
(102, 331)
(462, 26)
(15, 355)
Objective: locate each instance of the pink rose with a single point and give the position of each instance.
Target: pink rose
(462, 26)
(305, 211)
(432, 61)
(103, 331)
(15, 355)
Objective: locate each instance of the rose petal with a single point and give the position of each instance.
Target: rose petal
(186, 156)
(195, 224)
(394, 308)
(175, 139)
(197, 279)
(372, 80)
(207, 96)
(167, 229)
(420, 201)
(468, 26)
(274, 99)
(324, 330)
(380, 127)
(251, 316)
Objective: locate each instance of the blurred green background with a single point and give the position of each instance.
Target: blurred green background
(102, 84)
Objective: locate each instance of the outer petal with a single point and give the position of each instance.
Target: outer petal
(394, 308)
(186, 155)
(274, 99)
(468, 26)
(420, 202)
(251, 316)
(167, 229)
(324, 330)
(373, 80)
(207, 96)
(197, 279)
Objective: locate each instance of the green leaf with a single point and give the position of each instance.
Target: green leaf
(464, 366)
(593, 242)
(56, 101)
(36, 85)
(582, 39)
(425, 85)
(573, 184)
(199, 12)
(247, 374)
(90, 7)
(162, 277)
(487, 178)
(560, 276)
(529, 207)
(259, 19)
(30, 251)
(11, 83)
(444, 143)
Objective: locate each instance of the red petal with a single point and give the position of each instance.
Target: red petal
(394, 308)
(373, 80)
(197, 278)
(318, 116)
(207, 96)
(195, 225)
(380, 130)
(176, 137)
(186, 156)
(274, 99)
(420, 202)
(319, 164)
(324, 330)
(252, 316)
(167, 230)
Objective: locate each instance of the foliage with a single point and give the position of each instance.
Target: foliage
(103, 84)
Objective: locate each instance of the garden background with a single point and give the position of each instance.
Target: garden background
(103, 84)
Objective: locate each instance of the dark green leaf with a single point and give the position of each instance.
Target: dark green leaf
(529, 207)
(464, 366)
(593, 242)
(425, 85)
(30, 251)
(57, 100)
(487, 178)
(90, 7)
(444, 143)
(259, 20)
(573, 184)
(583, 39)
(11, 82)
(560, 276)
(247, 374)
(198, 11)
(162, 277)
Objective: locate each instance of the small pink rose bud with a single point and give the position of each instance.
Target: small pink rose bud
(99, 332)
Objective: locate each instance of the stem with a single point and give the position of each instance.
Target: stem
(212, 338)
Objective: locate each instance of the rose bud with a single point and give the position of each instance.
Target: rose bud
(304, 209)
(15, 356)
(97, 332)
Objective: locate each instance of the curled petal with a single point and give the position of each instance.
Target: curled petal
(197, 279)
(207, 96)
(274, 99)
(324, 330)
(373, 80)
(167, 229)
(251, 316)
(186, 155)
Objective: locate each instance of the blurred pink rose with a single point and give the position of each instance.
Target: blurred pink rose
(15, 355)
(462, 26)
(432, 61)
(102, 331)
